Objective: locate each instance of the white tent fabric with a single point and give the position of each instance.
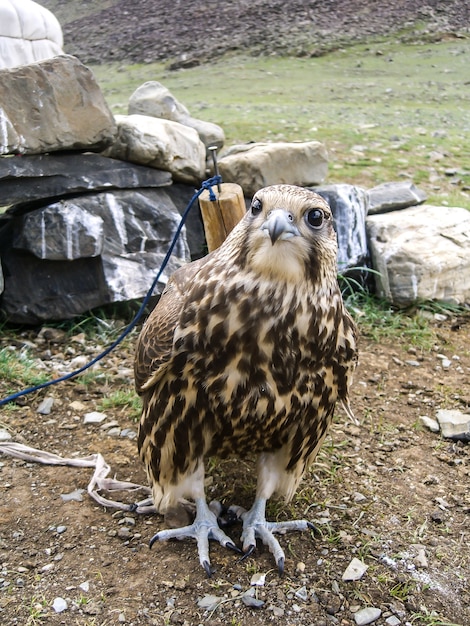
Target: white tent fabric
(28, 33)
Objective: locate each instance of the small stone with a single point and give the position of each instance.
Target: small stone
(392, 621)
(302, 594)
(209, 602)
(359, 497)
(78, 362)
(61, 529)
(420, 559)
(258, 580)
(77, 406)
(124, 533)
(355, 570)
(413, 363)
(430, 423)
(442, 503)
(108, 425)
(4, 434)
(59, 605)
(76, 496)
(277, 611)
(79, 338)
(85, 586)
(254, 603)
(300, 567)
(95, 417)
(367, 616)
(46, 406)
(47, 568)
(130, 433)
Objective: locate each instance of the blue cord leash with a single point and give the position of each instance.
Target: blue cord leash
(207, 184)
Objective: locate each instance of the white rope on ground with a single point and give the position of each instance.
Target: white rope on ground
(98, 482)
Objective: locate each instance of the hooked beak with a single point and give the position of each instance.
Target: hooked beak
(280, 225)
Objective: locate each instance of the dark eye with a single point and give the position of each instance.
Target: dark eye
(315, 217)
(256, 206)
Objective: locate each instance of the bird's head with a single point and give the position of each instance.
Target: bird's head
(289, 235)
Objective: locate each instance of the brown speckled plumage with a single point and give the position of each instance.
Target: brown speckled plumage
(247, 351)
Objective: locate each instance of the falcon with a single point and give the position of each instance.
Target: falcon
(246, 353)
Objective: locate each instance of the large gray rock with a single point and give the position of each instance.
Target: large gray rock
(53, 105)
(258, 165)
(85, 252)
(162, 144)
(394, 195)
(38, 177)
(50, 290)
(421, 253)
(349, 206)
(154, 99)
(61, 232)
(28, 33)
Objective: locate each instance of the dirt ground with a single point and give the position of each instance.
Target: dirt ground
(387, 491)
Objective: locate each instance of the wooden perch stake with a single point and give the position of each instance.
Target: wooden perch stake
(221, 215)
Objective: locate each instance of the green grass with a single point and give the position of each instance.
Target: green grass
(17, 370)
(385, 111)
(102, 324)
(378, 320)
(125, 399)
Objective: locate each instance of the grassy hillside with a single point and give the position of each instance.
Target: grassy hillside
(387, 111)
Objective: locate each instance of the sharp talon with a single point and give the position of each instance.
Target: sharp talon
(233, 547)
(207, 566)
(280, 566)
(311, 526)
(248, 553)
(153, 540)
(133, 507)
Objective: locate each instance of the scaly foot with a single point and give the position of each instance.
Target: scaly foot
(256, 527)
(203, 529)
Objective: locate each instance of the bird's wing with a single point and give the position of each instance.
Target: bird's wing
(155, 342)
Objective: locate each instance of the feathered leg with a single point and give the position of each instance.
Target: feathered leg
(203, 529)
(255, 526)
